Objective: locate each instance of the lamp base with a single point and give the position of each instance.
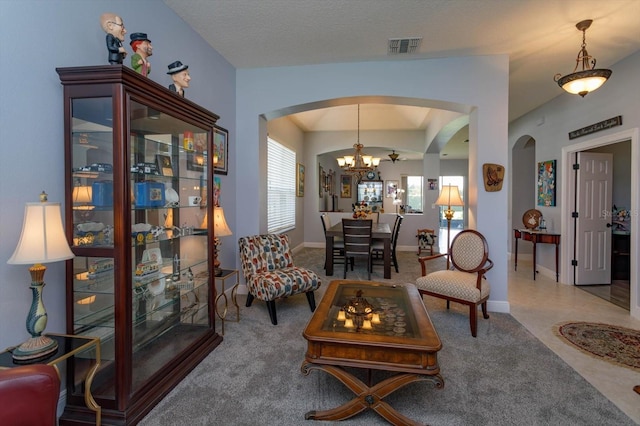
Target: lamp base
(35, 349)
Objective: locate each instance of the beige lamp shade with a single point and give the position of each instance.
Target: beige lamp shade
(42, 239)
(449, 196)
(82, 194)
(220, 227)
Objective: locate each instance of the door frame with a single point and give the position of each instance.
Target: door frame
(568, 191)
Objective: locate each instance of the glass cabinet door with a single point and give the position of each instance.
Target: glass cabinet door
(138, 219)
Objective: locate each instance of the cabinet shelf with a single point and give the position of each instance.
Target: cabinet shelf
(136, 199)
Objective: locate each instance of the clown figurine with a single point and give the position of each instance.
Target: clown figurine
(142, 48)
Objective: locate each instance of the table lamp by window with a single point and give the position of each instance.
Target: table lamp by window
(220, 229)
(449, 196)
(42, 241)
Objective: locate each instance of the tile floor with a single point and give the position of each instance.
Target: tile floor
(540, 304)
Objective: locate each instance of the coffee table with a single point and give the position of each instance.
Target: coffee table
(404, 342)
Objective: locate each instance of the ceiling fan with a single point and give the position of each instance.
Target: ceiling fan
(393, 157)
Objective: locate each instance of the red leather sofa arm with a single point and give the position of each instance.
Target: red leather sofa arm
(29, 395)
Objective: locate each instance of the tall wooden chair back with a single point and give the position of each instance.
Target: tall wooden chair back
(356, 234)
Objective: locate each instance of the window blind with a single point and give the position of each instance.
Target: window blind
(281, 187)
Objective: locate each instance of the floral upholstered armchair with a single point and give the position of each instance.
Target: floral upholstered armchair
(268, 269)
(426, 240)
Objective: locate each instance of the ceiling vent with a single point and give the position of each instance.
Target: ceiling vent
(403, 45)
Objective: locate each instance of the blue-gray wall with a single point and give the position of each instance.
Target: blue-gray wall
(38, 36)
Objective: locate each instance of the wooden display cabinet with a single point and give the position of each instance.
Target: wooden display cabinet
(138, 180)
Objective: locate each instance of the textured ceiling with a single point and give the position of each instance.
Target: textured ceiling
(538, 35)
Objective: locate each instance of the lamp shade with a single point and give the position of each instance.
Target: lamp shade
(449, 196)
(220, 227)
(42, 239)
(82, 194)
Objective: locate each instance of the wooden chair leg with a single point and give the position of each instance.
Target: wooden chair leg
(473, 319)
(271, 307)
(484, 311)
(312, 300)
(249, 300)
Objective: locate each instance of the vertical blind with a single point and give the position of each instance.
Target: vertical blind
(281, 187)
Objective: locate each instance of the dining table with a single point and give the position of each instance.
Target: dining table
(381, 231)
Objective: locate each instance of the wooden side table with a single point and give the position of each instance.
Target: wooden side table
(221, 310)
(536, 237)
(68, 347)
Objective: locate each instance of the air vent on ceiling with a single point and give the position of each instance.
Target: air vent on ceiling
(403, 45)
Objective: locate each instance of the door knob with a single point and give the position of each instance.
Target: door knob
(609, 225)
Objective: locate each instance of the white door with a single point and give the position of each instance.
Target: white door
(593, 204)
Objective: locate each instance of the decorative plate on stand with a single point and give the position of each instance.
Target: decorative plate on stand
(531, 218)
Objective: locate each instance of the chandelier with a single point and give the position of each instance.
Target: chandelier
(359, 163)
(590, 78)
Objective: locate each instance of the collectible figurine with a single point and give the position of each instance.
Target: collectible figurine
(113, 25)
(142, 49)
(180, 75)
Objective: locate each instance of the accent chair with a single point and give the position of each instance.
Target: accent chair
(465, 282)
(268, 269)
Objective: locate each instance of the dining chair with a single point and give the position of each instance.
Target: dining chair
(338, 242)
(357, 241)
(377, 246)
(466, 282)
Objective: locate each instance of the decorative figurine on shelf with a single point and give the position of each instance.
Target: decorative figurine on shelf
(180, 75)
(113, 25)
(142, 49)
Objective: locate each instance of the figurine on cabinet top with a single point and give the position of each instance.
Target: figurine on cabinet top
(113, 25)
(142, 49)
(180, 75)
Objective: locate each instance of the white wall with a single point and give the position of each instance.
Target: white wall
(550, 124)
(271, 92)
(37, 37)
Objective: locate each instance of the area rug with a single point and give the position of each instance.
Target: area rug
(617, 345)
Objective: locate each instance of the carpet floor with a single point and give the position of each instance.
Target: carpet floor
(505, 376)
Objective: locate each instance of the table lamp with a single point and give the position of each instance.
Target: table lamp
(449, 196)
(220, 229)
(42, 241)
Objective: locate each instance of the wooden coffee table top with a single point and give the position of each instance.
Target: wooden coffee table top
(404, 340)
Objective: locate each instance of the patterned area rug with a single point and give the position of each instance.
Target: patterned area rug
(617, 345)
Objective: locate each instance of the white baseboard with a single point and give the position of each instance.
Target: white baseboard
(500, 306)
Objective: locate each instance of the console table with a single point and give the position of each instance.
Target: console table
(536, 237)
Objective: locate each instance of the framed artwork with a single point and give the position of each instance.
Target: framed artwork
(493, 175)
(390, 188)
(217, 190)
(345, 186)
(547, 183)
(220, 150)
(321, 178)
(300, 181)
(432, 184)
(164, 165)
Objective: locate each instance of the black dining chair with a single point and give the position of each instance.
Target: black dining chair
(357, 241)
(338, 242)
(377, 247)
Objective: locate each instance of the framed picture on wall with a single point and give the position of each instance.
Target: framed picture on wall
(220, 150)
(300, 181)
(547, 183)
(345, 186)
(390, 188)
